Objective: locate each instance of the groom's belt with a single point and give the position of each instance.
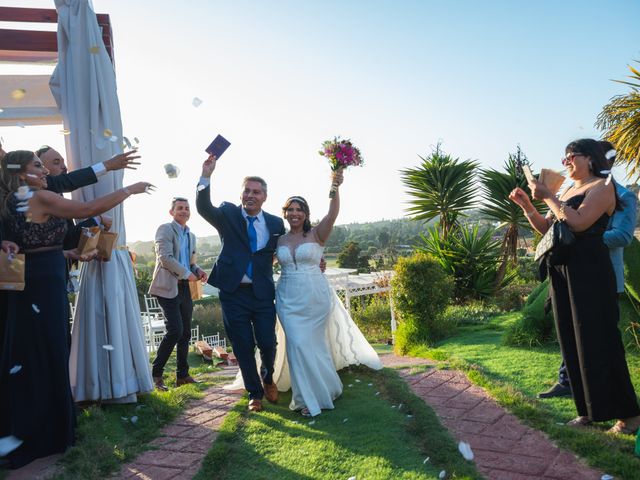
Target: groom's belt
(245, 285)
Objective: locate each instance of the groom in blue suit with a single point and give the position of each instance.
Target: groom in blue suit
(243, 273)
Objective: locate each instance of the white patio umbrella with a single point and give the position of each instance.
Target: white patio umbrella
(107, 312)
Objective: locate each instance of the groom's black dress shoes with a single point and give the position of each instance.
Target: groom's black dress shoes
(159, 383)
(557, 390)
(271, 392)
(255, 405)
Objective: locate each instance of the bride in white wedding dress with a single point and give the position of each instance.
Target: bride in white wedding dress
(320, 336)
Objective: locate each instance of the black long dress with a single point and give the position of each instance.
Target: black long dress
(36, 405)
(585, 308)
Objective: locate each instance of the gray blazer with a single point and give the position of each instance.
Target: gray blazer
(168, 268)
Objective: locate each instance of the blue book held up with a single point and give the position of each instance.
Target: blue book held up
(218, 146)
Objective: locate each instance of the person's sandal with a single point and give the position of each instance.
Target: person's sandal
(305, 412)
(579, 422)
(629, 426)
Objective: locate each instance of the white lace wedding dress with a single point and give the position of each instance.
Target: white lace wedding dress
(321, 337)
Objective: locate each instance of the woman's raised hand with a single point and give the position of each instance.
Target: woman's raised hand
(520, 197)
(140, 187)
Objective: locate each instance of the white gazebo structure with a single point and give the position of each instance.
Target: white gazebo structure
(107, 312)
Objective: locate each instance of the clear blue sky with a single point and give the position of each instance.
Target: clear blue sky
(277, 78)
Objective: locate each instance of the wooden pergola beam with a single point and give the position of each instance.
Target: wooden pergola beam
(25, 44)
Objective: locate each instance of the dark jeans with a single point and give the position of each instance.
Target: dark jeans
(177, 312)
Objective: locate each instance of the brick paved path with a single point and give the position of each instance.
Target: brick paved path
(504, 448)
(178, 453)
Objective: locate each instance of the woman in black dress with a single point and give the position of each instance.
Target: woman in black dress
(36, 407)
(583, 289)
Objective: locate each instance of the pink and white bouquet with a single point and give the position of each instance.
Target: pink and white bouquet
(341, 154)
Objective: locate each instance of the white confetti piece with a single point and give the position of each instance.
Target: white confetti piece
(352, 478)
(369, 384)
(35, 308)
(311, 422)
(606, 476)
(426, 460)
(442, 475)
(134, 419)
(465, 449)
(135, 139)
(171, 170)
(1, 110)
(409, 416)
(400, 406)
(8, 445)
(125, 419)
(357, 380)
(345, 420)
(377, 393)
(196, 102)
(350, 385)
(393, 406)
(15, 369)
(108, 347)
(18, 93)
(113, 138)
(127, 142)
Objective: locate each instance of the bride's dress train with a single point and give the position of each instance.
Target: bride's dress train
(321, 337)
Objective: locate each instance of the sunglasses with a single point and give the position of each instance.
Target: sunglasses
(568, 158)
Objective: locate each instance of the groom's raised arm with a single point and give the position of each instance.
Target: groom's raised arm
(211, 214)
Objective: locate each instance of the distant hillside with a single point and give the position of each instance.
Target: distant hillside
(205, 244)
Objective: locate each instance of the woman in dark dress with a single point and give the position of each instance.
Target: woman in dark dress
(36, 407)
(583, 289)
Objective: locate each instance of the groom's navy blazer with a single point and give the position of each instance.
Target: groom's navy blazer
(235, 255)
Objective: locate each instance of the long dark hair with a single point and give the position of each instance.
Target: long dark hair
(11, 165)
(598, 164)
(306, 226)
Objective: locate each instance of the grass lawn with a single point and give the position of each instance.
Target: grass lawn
(106, 435)
(384, 436)
(515, 375)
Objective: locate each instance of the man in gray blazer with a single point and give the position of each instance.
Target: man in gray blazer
(175, 267)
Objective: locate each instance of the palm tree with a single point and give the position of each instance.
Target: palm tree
(442, 186)
(496, 187)
(620, 120)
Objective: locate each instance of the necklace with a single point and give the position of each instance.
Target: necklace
(591, 180)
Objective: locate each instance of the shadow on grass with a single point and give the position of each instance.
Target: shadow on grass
(367, 436)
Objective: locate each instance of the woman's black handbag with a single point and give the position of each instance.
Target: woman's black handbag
(555, 241)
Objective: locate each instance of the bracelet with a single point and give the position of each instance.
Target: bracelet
(530, 213)
(562, 215)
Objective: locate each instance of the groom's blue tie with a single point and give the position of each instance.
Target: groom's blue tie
(253, 242)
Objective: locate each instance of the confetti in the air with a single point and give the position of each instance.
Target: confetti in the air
(171, 170)
(442, 475)
(15, 369)
(426, 460)
(18, 93)
(196, 102)
(134, 419)
(108, 347)
(8, 445)
(35, 308)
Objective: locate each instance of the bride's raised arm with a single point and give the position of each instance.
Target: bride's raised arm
(324, 228)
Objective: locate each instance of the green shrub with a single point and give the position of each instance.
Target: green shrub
(632, 269)
(207, 314)
(374, 319)
(420, 291)
(534, 327)
(630, 323)
(473, 313)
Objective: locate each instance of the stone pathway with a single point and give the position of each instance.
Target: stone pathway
(504, 448)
